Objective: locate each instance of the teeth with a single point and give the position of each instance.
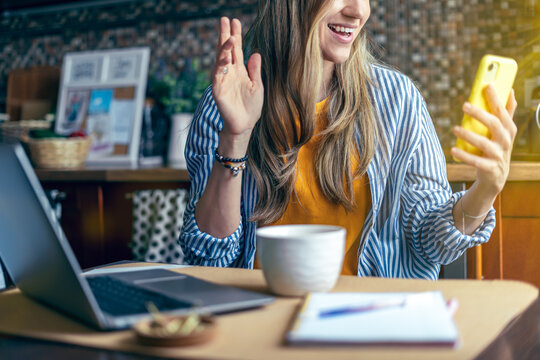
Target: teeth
(341, 29)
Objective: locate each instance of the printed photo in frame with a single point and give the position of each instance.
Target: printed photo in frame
(102, 94)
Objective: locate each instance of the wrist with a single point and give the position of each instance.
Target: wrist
(484, 191)
(478, 201)
(233, 146)
(467, 215)
(236, 165)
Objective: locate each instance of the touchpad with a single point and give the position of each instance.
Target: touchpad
(197, 291)
(144, 276)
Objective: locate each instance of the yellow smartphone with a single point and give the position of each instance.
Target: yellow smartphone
(499, 71)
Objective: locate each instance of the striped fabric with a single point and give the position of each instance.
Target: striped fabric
(409, 231)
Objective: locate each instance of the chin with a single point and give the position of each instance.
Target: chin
(338, 57)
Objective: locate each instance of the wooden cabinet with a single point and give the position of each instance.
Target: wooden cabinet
(520, 248)
(97, 209)
(97, 216)
(513, 251)
(32, 92)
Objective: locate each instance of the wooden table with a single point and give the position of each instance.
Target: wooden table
(519, 340)
(484, 320)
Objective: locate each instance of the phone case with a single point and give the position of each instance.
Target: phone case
(501, 71)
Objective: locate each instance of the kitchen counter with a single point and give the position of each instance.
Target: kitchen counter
(114, 175)
(519, 171)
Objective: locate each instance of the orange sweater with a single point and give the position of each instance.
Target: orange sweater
(310, 206)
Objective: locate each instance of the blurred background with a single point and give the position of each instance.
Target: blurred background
(437, 43)
(116, 214)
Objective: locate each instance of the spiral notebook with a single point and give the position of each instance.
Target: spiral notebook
(374, 318)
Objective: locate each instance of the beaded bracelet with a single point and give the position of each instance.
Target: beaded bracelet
(221, 158)
(232, 164)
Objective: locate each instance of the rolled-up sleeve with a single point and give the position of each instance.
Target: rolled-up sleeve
(201, 248)
(428, 202)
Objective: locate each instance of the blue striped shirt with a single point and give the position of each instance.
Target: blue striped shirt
(409, 231)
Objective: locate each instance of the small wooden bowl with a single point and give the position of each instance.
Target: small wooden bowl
(147, 336)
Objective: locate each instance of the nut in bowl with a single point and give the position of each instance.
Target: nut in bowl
(163, 330)
(297, 259)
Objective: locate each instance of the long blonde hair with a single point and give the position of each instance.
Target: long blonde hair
(286, 34)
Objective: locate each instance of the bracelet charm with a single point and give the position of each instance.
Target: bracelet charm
(234, 169)
(235, 165)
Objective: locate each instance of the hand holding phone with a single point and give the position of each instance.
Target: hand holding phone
(496, 70)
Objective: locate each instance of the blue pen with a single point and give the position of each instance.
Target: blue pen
(383, 304)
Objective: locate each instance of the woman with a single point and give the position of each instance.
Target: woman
(332, 138)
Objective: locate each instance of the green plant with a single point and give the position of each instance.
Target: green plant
(178, 93)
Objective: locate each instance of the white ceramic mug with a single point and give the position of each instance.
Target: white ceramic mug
(297, 259)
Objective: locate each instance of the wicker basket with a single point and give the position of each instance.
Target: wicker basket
(59, 153)
(14, 130)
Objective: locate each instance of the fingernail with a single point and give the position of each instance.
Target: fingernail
(467, 106)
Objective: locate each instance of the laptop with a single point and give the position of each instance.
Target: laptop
(42, 265)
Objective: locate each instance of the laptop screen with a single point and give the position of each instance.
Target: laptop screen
(5, 281)
(32, 244)
(42, 264)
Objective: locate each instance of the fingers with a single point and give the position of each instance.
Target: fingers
(498, 132)
(488, 147)
(254, 68)
(236, 32)
(224, 31)
(511, 103)
(230, 43)
(479, 162)
(225, 46)
(225, 55)
(224, 58)
(236, 28)
(500, 111)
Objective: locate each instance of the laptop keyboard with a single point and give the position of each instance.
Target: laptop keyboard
(118, 298)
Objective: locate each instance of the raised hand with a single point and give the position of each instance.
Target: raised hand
(238, 92)
(493, 167)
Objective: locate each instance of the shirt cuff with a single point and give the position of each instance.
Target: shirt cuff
(201, 248)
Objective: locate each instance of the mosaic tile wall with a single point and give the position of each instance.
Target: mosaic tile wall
(437, 43)
(174, 30)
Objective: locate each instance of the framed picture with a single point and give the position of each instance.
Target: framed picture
(102, 93)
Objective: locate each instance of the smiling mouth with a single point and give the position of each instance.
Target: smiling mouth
(341, 30)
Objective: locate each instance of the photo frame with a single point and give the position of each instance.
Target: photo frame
(102, 93)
